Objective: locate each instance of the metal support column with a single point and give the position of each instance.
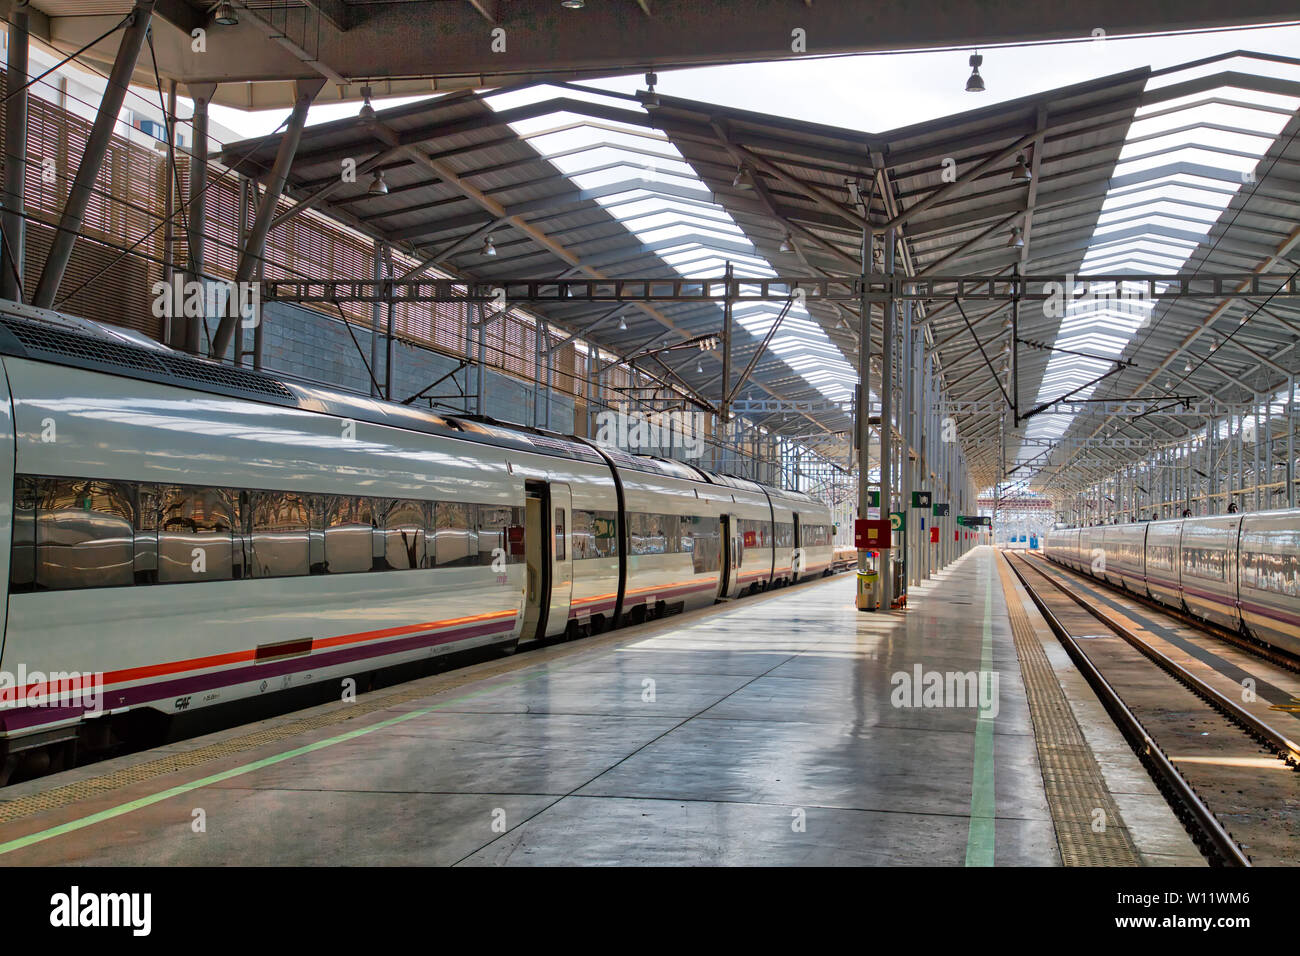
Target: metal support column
(539, 350)
(390, 339)
(377, 274)
(189, 328)
(241, 232)
(724, 405)
(101, 134)
(887, 428)
(480, 392)
(15, 182)
(865, 600)
(1290, 442)
(305, 91)
(906, 475)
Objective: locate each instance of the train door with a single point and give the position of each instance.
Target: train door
(537, 597)
(796, 551)
(561, 555)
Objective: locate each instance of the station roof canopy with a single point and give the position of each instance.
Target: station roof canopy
(409, 47)
(1139, 173)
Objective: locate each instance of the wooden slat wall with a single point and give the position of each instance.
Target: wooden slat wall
(114, 286)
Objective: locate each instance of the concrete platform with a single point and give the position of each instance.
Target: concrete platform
(764, 731)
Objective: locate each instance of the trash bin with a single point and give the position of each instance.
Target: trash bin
(868, 598)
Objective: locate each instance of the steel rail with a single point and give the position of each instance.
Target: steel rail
(1211, 830)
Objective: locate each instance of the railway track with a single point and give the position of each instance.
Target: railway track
(1223, 748)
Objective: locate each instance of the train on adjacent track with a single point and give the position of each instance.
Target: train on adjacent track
(1238, 571)
(191, 534)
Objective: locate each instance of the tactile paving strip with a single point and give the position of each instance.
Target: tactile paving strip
(1072, 778)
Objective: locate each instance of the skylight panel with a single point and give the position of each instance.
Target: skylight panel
(1144, 228)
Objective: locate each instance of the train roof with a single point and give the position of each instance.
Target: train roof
(45, 335)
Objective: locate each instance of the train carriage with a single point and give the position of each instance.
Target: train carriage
(672, 535)
(201, 535)
(1208, 553)
(1124, 548)
(1269, 586)
(1238, 571)
(747, 528)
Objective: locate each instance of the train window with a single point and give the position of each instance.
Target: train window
(1268, 571)
(405, 523)
(349, 524)
(455, 534)
(494, 524)
(637, 526)
(22, 560)
(605, 530)
(783, 534)
(594, 534)
(583, 534)
(656, 537)
(279, 526)
(670, 532)
(1204, 562)
(1161, 557)
(816, 535)
(705, 538)
(196, 533)
(84, 533)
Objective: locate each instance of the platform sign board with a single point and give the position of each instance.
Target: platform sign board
(921, 499)
(873, 498)
(975, 521)
(870, 534)
(897, 522)
(941, 510)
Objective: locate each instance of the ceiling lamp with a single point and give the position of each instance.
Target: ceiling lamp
(367, 111)
(787, 245)
(650, 99)
(489, 248)
(1021, 173)
(377, 185)
(1017, 240)
(622, 324)
(573, 4)
(1188, 366)
(743, 178)
(976, 82)
(225, 15)
(699, 366)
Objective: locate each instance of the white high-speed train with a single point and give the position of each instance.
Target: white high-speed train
(1240, 571)
(200, 534)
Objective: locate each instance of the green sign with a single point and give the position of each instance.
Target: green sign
(921, 499)
(897, 521)
(873, 499)
(941, 511)
(975, 521)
